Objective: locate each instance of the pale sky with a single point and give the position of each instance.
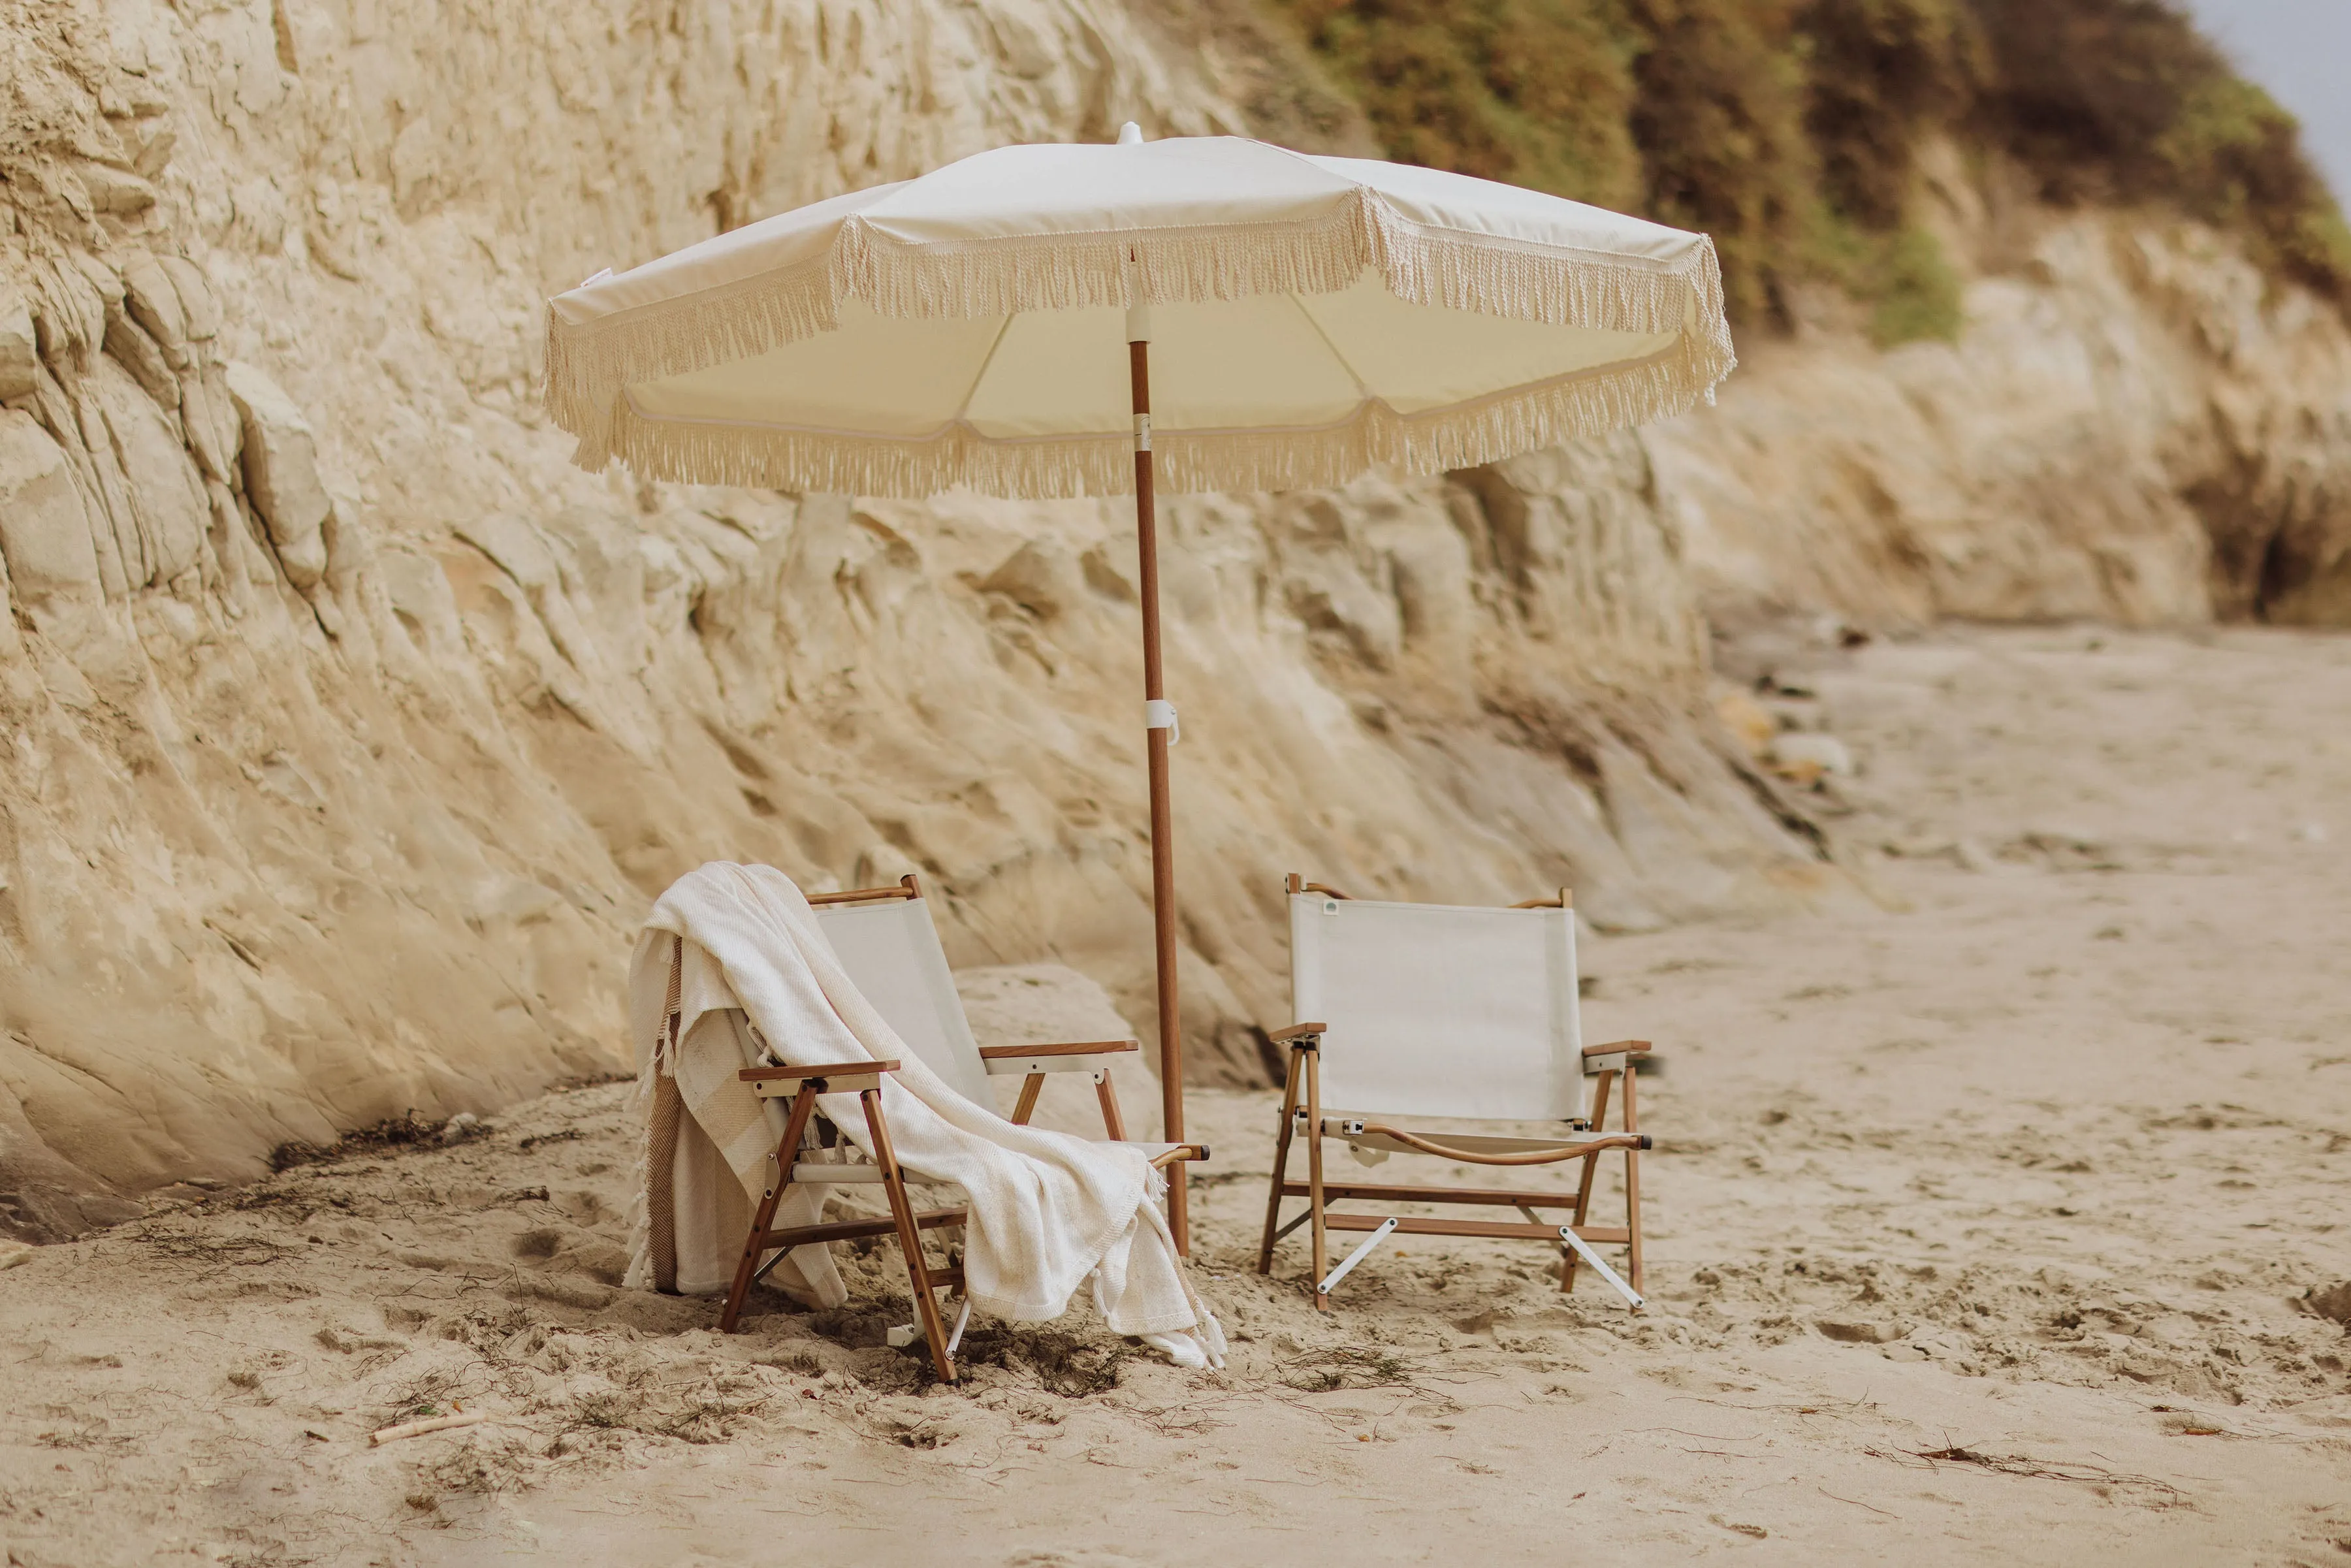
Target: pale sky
(2301, 51)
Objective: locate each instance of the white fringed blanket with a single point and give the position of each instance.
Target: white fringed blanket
(1047, 1212)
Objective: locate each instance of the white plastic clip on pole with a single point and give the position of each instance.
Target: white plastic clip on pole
(1160, 714)
(1567, 1234)
(1338, 1274)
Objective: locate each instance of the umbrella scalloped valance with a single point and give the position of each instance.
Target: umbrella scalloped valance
(1396, 316)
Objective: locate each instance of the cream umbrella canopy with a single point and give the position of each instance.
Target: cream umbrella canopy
(1286, 320)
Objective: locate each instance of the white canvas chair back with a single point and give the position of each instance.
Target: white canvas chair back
(1440, 1010)
(892, 952)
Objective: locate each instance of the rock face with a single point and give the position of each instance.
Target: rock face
(45, 534)
(281, 474)
(2133, 426)
(349, 729)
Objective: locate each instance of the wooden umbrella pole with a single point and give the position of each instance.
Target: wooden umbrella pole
(1158, 738)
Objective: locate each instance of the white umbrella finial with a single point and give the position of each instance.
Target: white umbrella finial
(1130, 134)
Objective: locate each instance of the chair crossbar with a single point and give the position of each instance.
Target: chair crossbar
(853, 1229)
(1438, 1225)
(1502, 1229)
(1374, 1192)
(833, 1173)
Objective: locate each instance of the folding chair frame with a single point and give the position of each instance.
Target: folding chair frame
(1301, 1101)
(802, 1086)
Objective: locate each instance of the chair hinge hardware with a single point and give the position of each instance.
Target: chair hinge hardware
(1357, 1256)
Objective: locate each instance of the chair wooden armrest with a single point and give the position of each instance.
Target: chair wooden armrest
(1181, 1152)
(1034, 1061)
(1068, 1056)
(1070, 1048)
(1297, 1032)
(831, 1078)
(1618, 1048)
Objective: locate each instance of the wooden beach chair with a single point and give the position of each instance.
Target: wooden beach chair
(884, 938)
(1423, 1014)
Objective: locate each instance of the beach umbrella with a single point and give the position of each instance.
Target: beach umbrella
(1202, 313)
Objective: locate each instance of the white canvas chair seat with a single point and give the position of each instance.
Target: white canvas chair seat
(886, 939)
(1456, 1031)
(1440, 1010)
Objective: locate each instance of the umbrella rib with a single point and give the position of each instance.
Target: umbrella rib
(963, 409)
(1362, 391)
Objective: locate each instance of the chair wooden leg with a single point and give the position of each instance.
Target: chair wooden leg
(764, 1218)
(1633, 1182)
(910, 1239)
(662, 1124)
(1030, 1087)
(1584, 1184)
(1280, 1162)
(1314, 1177)
(1107, 1092)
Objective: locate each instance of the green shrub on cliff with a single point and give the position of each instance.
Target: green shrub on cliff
(1789, 129)
(2124, 100)
(1536, 92)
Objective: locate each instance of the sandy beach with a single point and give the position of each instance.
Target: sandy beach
(1992, 1219)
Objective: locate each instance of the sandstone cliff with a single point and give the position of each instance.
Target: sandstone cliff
(349, 729)
(2133, 425)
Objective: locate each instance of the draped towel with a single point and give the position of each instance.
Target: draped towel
(1048, 1212)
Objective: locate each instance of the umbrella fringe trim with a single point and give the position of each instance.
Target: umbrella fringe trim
(1461, 437)
(589, 363)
